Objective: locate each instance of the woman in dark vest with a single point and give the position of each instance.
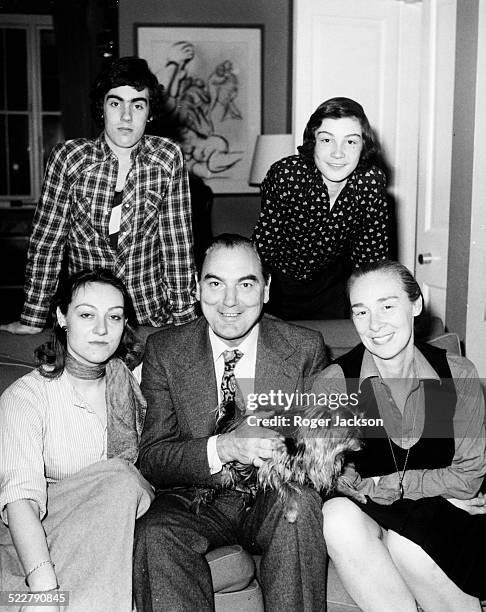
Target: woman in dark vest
(421, 534)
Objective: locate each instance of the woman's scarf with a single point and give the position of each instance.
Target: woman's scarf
(125, 405)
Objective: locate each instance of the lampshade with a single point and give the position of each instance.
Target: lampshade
(269, 148)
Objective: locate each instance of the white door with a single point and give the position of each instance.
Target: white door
(435, 151)
(382, 53)
(476, 287)
(368, 51)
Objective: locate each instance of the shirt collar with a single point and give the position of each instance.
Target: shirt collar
(247, 346)
(103, 147)
(317, 178)
(105, 150)
(423, 369)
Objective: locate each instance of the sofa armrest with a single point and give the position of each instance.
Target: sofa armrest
(21, 347)
(450, 342)
(10, 370)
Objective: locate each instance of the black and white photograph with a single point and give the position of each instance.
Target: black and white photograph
(242, 305)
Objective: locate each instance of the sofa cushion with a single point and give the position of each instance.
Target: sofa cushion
(249, 599)
(450, 342)
(10, 370)
(339, 336)
(21, 348)
(232, 568)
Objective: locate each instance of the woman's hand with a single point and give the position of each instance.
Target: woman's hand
(382, 489)
(350, 476)
(348, 482)
(476, 505)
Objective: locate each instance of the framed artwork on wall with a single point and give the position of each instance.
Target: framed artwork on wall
(212, 77)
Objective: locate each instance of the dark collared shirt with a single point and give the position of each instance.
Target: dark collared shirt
(154, 253)
(300, 235)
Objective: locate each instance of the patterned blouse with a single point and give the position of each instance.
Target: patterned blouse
(297, 232)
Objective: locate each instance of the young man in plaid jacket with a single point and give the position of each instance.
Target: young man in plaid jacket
(120, 202)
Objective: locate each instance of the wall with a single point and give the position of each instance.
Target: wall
(476, 312)
(462, 166)
(276, 17)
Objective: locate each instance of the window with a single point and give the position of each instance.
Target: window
(30, 115)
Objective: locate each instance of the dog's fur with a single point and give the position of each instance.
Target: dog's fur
(313, 457)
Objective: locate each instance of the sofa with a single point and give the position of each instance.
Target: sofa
(234, 571)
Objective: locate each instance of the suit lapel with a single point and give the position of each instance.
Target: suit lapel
(198, 397)
(276, 368)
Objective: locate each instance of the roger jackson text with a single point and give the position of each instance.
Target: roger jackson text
(297, 420)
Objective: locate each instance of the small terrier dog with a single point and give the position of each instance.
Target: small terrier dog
(314, 456)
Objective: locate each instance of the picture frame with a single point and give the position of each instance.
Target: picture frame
(212, 77)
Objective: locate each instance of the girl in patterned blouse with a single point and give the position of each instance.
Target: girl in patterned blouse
(323, 211)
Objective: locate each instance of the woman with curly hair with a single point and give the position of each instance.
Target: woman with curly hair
(69, 433)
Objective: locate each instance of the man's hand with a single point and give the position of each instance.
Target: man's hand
(19, 328)
(248, 444)
(477, 505)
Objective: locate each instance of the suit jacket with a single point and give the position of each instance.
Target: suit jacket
(179, 384)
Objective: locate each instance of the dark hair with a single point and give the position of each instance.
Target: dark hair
(131, 71)
(407, 279)
(233, 241)
(53, 353)
(337, 108)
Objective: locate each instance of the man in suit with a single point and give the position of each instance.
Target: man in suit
(187, 375)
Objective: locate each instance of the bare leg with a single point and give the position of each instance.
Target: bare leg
(433, 590)
(355, 544)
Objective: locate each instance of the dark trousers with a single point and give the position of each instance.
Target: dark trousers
(172, 574)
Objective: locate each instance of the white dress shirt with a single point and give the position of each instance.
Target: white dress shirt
(244, 373)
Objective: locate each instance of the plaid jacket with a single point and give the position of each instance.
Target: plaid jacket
(154, 255)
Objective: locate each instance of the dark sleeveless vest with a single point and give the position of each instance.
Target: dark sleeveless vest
(435, 448)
